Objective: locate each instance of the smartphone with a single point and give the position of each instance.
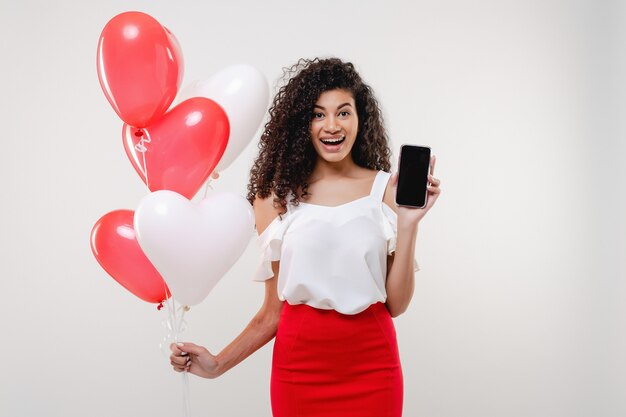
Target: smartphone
(413, 168)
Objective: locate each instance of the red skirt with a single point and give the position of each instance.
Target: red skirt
(327, 364)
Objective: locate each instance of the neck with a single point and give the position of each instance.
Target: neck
(324, 168)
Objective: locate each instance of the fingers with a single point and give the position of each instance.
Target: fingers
(394, 179)
(433, 160)
(178, 367)
(433, 188)
(191, 348)
(182, 369)
(180, 360)
(176, 351)
(184, 354)
(434, 182)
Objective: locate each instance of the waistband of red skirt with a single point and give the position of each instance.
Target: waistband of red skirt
(378, 309)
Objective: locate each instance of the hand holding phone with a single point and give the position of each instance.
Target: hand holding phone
(413, 169)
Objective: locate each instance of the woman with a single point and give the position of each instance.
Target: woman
(337, 252)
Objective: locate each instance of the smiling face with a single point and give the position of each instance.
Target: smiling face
(334, 125)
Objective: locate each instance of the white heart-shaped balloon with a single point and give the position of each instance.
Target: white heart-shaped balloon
(243, 92)
(193, 245)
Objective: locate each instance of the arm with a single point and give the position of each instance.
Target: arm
(400, 281)
(261, 329)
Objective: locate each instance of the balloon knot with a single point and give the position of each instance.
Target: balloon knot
(139, 133)
(160, 306)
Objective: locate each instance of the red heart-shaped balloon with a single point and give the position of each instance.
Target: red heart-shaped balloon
(182, 148)
(114, 245)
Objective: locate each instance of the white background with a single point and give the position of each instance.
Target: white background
(519, 307)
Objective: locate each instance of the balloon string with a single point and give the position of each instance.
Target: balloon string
(180, 321)
(175, 325)
(141, 148)
(185, 387)
(145, 170)
(185, 375)
(208, 185)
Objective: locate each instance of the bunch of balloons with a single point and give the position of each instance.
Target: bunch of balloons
(171, 243)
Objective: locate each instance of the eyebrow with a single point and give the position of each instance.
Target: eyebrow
(341, 106)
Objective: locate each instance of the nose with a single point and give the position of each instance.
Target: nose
(331, 125)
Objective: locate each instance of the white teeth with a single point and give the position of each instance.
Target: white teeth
(333, 140)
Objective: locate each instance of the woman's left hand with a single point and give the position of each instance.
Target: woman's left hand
(408, 215)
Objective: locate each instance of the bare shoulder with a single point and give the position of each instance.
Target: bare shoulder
(390, 193)
(264, 212)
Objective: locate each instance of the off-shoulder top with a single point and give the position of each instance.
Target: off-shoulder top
(332, 257)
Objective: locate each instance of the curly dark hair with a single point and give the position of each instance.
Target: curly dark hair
(286, 155)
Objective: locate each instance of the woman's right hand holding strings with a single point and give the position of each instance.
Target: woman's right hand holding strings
(188, 357)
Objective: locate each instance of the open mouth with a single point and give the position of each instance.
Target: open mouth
(333, 141)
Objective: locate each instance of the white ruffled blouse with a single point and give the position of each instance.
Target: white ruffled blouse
(332, 257)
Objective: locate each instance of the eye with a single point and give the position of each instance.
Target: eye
(344, 113)
(318, 115)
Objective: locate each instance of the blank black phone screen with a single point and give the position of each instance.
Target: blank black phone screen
(413, 176)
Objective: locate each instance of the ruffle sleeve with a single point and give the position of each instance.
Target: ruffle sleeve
(390, 227)
(270, 243)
